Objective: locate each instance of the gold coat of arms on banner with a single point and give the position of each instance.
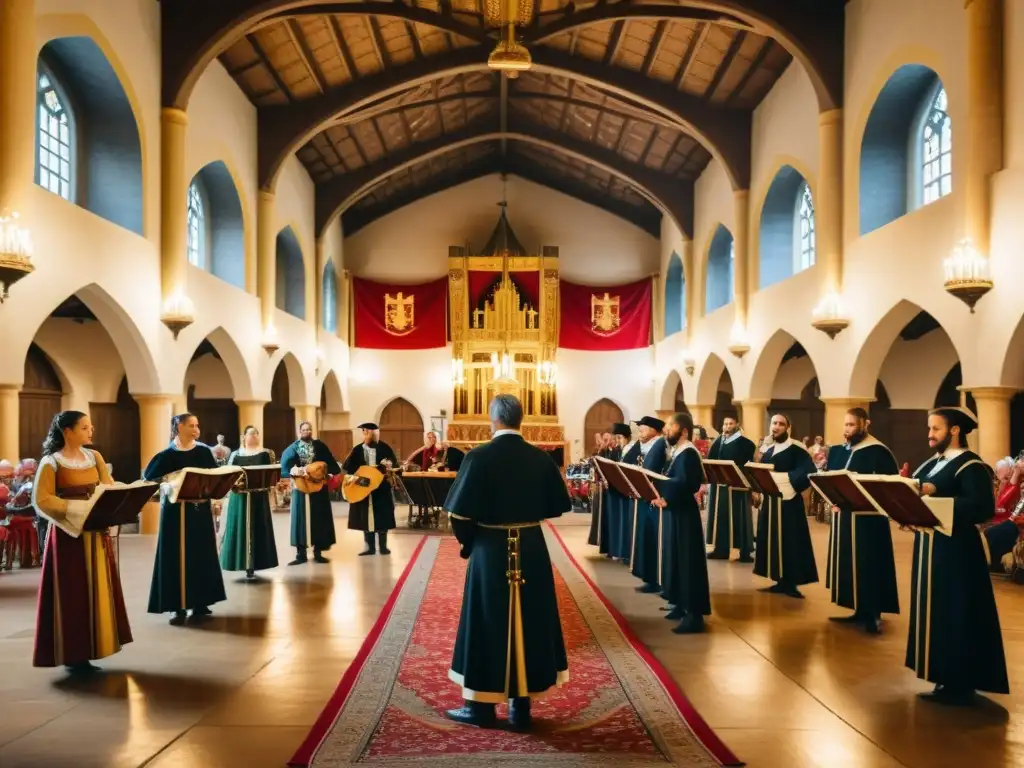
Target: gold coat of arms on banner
(398, 314)
(604, 314)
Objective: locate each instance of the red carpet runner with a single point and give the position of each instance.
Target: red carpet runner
(619, 708)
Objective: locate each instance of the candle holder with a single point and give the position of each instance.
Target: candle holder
(738, 344)
(270, 345)
(177, 313)
(967, 275)
(828, 316)
(15, 253)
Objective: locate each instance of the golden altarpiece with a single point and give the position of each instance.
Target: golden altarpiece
(503, 315)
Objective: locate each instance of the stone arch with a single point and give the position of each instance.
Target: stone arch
(600, 417)
(132, 348)
(1012, 372)
(291, 274)
(333, 398)
(885, 159)
(401, 425)
(297, 387)
(108, 163)
(777, 235)
(718, 270)
(667, 399)
(707, 381)
(224, 226)
(233, 359)
(768, 362)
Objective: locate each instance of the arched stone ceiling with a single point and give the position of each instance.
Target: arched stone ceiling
(626, 104)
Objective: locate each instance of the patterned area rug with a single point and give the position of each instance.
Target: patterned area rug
(620, 707)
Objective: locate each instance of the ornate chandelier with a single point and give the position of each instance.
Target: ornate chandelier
(15, 253)
(967, 275)
(509, 55)
(828, 316)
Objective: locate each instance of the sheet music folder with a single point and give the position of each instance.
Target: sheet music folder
(640, 479)
(762, 476)
(899, 499)
(196, 485)
(841, 489)
(726, 472)
(109, 506)
(612, 472)
(259, 477)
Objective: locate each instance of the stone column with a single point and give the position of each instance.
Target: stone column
(17, 110)
(754, 418)
(993, 441)
(173, 210)
(828, 205)
(154, 435)
(10, 423)
(307, 413)
(835, 416)
(657, 308)
(703, 415)
(689, 289)
(984, 115)
(250, 412)
(741, 266)
(345, 307)
(266, 257)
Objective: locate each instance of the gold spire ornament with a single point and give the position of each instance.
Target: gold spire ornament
(509, 55)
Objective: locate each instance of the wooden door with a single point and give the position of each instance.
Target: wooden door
(38, 402)
(116, 434)
(401, 427)
(279, 428)
(599, 418)
(216, 416)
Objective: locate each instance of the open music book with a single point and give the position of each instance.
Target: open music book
(612, 472)
(841, 489)
(640, 479)
(109, 505)
(768, 481)
(726, 472)
(899, 499)
(193, 484)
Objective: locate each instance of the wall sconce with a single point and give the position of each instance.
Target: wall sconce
(15, 253)
(689, 364)
(828, 316)
(738, 343)
(967, 275)
(319, 361)
(269, 344)
(177, 313)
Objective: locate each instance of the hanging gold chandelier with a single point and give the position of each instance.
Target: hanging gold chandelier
(509, 55)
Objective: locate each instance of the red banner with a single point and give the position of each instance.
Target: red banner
(400, 316)
(605, 319)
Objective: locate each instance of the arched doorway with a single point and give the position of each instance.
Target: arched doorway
(39, 400)
(600, 418)
(795, 393)
(116, 434)
(334, 428)
(724, 406)
(278, 414)
(211, 396)
(401, 427)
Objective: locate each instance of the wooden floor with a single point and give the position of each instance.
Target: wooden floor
(780, 684)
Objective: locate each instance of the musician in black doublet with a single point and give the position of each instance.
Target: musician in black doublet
(312, 517)
(685, 580)
(730, 523)
(784, 551)
(955, 639)
(861, 571)
(505, 490)
(376, 513)
(648, 557)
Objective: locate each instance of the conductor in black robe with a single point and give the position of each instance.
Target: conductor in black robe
(509, 646)
(647, 560)
(955, 639)
(784, 551)
(312, 517)
(861, 572)
(730, 523)
(686, 569)
(376, 513)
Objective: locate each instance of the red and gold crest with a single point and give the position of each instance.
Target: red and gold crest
(399, 318)
(604, 314)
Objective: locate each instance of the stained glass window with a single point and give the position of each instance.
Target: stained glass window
(806, 245)
(54, 155)
(937, 151)
(196, 226)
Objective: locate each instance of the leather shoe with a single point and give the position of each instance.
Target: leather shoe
(745, 559)
(948, 697)
(298, 561)
(713, 556)
(366, 553)
(691, 624)
(873, 625)
(318, 558)
(519, 718)
(853, 618)
(647, 589)
(478, 717)
(674, 615)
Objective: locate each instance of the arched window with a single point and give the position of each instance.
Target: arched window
(805, 240)
(936, 157)
(196, 226)
(675, 296)
(330, 299)
(55, 146)
(720, 271)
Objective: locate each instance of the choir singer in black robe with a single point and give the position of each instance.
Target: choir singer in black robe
(509, 647)
(647, 557)
(376, 513)
(730, 524)
(861, 573)
(784, 552)
(686, 569)
(955, 639)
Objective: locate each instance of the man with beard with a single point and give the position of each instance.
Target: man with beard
(375, 513)
(509, 646)
(954, 639)
(312, 522)
(730, 524)
(646, 555)
(784, 552)
(686, 568)
(861, 571)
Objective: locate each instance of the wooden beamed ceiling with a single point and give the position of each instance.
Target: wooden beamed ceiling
(353, 86)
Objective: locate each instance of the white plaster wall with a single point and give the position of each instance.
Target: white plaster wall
(421, 376)
(594, 246)
(294, 207)
(713, 205)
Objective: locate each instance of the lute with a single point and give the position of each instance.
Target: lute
(313, 480)
(361, 483)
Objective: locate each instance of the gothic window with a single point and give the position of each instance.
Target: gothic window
(55, 146)
(806, 245)
(936, 150)
(196, 226)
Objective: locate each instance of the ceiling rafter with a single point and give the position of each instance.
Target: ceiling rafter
(700, 34)
(338, 38)
(755, 65)
(614, 41)
(655, 47)
(306, 55)
(380, 48)
(723, 67)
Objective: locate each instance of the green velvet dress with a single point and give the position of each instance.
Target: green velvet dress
(248, 543)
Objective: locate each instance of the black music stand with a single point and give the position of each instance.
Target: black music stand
(427, 492)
